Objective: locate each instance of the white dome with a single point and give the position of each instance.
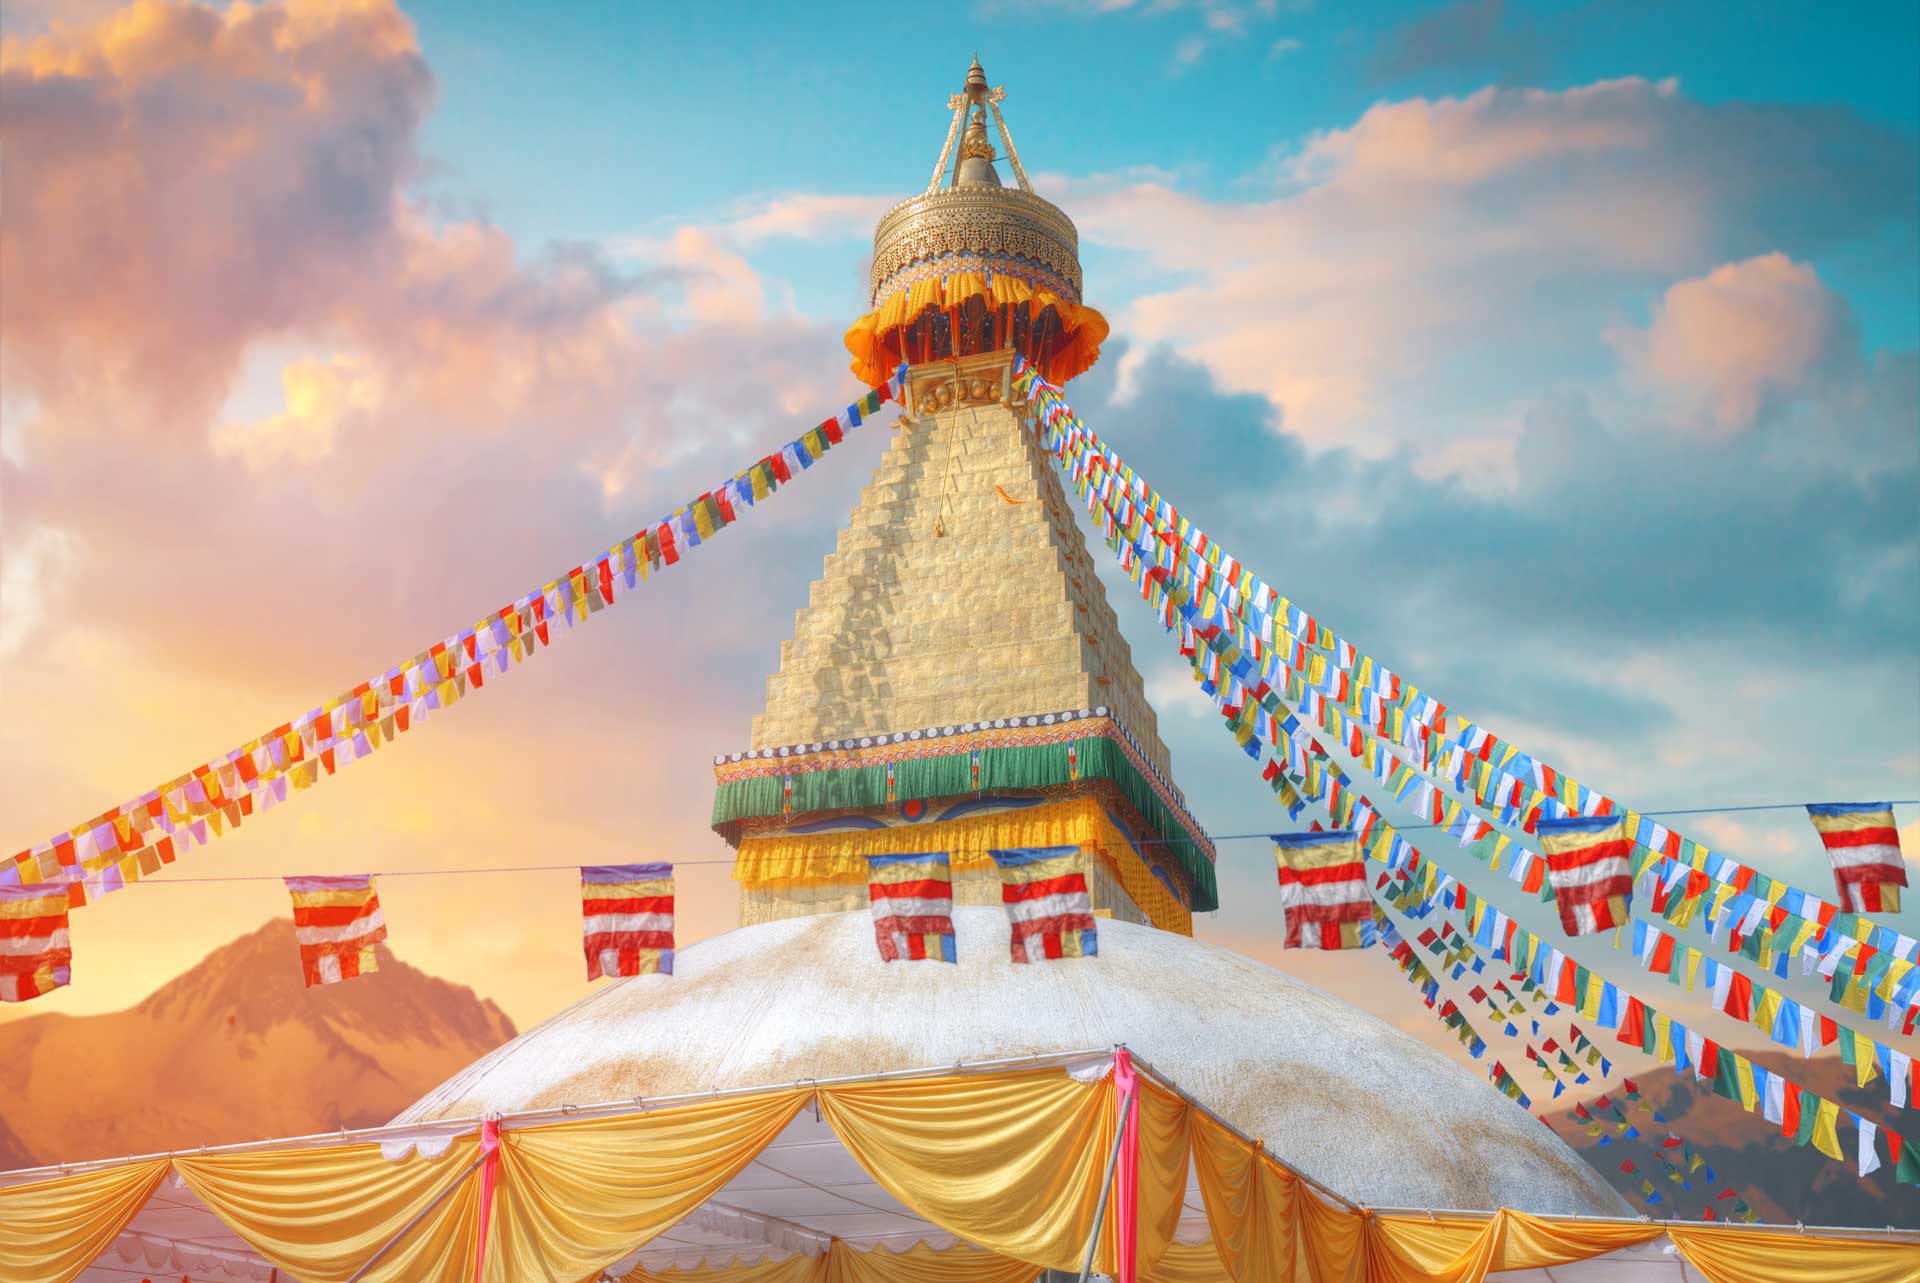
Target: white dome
(1354, 1103)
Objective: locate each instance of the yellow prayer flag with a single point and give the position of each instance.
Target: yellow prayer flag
(1855, 997)
(1748, 1092)
(1825, 1138)
(1899, 969)
(1864, 1068)
(1693, 967)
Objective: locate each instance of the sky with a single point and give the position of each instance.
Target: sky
(1567, 358)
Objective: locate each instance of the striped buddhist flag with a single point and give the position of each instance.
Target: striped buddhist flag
(1045, 891)
(1864, 846)
(1588, 865)
(1323, 888)
(36, 956)
(337, 921)
(626, 919)
(912, 898)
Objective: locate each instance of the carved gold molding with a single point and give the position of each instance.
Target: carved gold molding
(979, 220)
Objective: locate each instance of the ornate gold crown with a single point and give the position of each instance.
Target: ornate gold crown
(966, 212)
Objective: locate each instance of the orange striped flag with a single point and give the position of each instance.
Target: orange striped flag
(337, 921)
(35, 954)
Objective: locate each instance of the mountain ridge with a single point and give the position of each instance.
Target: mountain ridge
(236, 1048)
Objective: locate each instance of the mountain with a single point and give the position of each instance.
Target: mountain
(236, 1048)
(1783, 1182)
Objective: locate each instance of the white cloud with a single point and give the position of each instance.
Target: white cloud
(321, 397)
(35, 574)
(1389, 258)
(1722, 346)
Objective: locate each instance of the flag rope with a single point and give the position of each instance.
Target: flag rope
(146, 833)
(1264, 622)
(1800, 1114)
(1299, 769)
(1081, 456)
(1640, 1026)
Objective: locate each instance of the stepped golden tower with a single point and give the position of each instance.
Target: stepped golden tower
(957, 681)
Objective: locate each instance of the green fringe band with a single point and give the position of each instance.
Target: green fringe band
(951, 775)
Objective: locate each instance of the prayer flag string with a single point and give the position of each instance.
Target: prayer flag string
(1243, 687)
(1264, 624)
(149, 831)
(1315, 776)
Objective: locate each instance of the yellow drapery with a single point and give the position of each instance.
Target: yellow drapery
(1181, 1263)
(1012, 1162)
(1162, 1183)
(1461, 1249)
(1736, 1254)
(1251, 1205)
(1331, 1237)
(961, 1263)
(576, 1196)
(823, 859)
(320, 1212)
(51, 1230)
(794, 1269)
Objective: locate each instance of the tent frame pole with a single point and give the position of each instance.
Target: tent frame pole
(1106, 1186)
(418, 1216)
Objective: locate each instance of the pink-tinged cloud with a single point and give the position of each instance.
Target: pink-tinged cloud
(1725, 345)
(183, 180)
(205, 199)
(1458, 142)
(272, 427)
(1390, 253)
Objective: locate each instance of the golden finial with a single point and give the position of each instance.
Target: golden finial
(976, 87)
(974, 144)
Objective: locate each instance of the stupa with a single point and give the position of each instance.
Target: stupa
(958, 682)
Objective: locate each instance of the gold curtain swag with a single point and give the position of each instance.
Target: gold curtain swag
(320, 1213)
(53, 1229)
(575, 1196)
(1009, 1161)
(843, 1264)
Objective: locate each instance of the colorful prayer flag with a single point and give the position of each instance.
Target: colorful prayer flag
(912, 898)
(1323, 888)
(1864, 847)
(626, 919)
(1588, 865)
(1045, 891)
(36, 955)
(337, 921)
